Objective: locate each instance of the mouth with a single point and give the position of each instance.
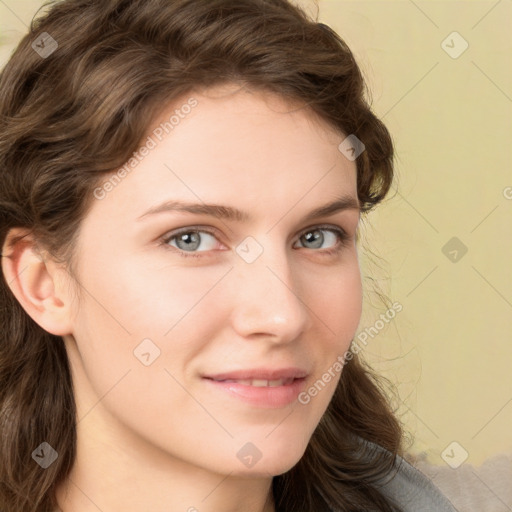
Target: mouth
(261, 388)
(259, 383)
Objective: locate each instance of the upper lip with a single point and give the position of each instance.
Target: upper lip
(261, 373)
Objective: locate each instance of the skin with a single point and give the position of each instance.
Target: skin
(158, 437)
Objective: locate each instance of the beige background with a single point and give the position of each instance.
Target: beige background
(450, 349)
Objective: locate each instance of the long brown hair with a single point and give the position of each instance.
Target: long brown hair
(77, 97)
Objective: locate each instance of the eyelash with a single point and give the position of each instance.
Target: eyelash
(342, 236)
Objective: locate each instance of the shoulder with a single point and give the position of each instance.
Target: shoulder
(486, 486)
(413, 490)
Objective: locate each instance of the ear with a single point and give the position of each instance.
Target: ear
(37, 282)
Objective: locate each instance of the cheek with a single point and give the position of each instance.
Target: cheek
(150, 322)
(338, 306)
(130, 305)
(337, 302)
(135, 298)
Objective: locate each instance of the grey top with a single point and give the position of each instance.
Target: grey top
(415, 492)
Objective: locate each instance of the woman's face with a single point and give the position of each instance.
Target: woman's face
(269, 294)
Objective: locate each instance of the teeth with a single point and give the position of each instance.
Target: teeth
(261, 383)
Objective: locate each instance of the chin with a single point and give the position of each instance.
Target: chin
(281, 467)
(275, 460)
(265, 469)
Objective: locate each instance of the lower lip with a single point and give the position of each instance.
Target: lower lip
(268, 397)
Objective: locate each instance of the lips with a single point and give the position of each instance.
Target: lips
(261, 387)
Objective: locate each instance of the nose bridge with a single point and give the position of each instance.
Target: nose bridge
(267, 297)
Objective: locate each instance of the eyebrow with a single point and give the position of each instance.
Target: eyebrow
(347, 202)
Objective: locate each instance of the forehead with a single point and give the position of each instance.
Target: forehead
(230, 105)
(230, 144)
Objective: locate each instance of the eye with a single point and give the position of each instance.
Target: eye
(191, 240)
(314, 238)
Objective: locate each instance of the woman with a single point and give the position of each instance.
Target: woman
(182, 183)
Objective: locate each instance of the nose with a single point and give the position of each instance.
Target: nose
(267, 300)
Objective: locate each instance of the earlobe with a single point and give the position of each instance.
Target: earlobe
(35, 282)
